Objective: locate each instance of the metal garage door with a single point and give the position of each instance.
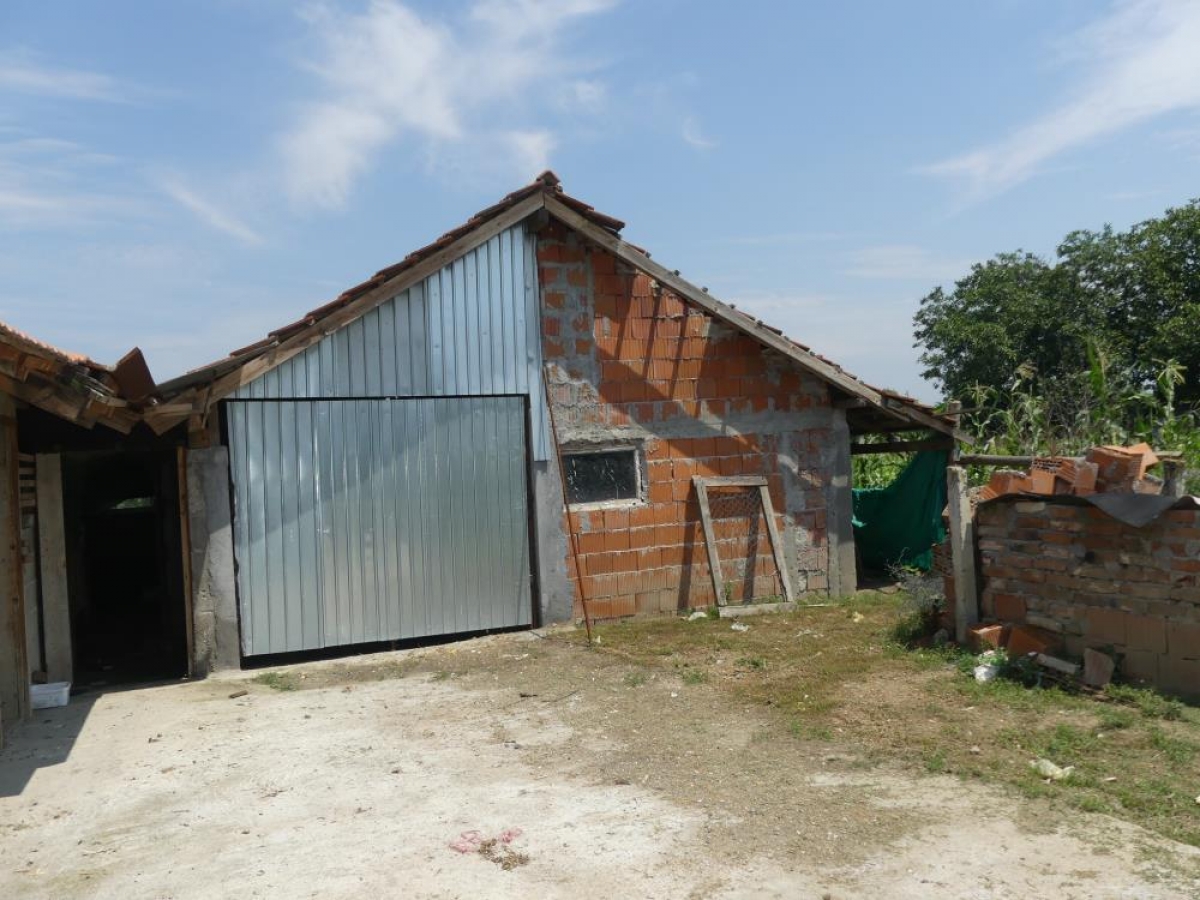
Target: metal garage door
(373, 520)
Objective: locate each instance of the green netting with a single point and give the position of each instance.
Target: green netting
(900, 523)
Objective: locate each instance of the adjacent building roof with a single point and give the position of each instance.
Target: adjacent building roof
(69, 385)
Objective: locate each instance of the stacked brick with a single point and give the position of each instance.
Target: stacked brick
(1104, 469)
(635, 364)
(1092, 581)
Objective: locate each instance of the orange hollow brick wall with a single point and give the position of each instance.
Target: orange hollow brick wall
(631, 364)
(1097, 582)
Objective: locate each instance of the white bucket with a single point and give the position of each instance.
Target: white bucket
(45, 696)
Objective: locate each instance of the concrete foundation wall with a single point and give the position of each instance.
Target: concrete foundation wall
(215, 635)
(633, 365)
(557, 594)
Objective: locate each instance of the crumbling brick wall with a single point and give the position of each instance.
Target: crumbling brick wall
(632, 363)
(1098, 583)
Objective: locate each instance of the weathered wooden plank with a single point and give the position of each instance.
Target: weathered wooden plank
(732, 480)
(776, 543)
(52, 546)
(14, 663)
(185, 540)
(710, 540)
(901, 447)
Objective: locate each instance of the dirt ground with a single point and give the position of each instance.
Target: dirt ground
(352, 779)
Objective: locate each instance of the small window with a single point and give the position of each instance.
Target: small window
(601, 477)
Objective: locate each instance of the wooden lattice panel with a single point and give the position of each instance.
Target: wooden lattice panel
(745, 554)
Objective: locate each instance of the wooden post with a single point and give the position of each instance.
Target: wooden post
(962, 548)
(52, 544)
(710, 541)
(776, 543)
(185, 540)
(14, 665)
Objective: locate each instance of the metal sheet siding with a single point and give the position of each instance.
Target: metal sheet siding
(379, 519)
(471, 329)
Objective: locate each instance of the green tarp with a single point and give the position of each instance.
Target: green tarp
(898, 525)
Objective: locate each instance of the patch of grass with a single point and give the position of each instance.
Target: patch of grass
(442, 675)
(278, 681)
(635, 679)
(1150, 703)
(695, 676)
(1177, 750)
(805, 731)
(752, 662)
(833, 675)
(935, 762)
(1116, 718)
(1092, 803)
(1067, 742)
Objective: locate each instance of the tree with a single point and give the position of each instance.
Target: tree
(1132, 297)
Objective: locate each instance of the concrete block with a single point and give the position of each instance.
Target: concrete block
(1044, 622)
(1147, 633)
(1140, 666)
(983, 637)
(1023, 640)
(1106, 626)
(1179, 675)
(1097, 668)
(1009, 607)
(1183, 640)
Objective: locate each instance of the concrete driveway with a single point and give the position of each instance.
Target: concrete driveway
(557, 771)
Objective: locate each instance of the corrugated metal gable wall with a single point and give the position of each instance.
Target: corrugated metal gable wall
(471, 329)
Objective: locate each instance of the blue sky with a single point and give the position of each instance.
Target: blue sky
(186, 176)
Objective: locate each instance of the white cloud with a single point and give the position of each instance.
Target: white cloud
(49, 182)
(21, 75)
(1142, 62)
(530, 149)
(694, 137)
(904, 262)
(208, 212)
(388, 74)
(583, 95)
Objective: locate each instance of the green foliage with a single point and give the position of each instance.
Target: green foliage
(1135, 295)
(1101, 405)
(878, 470)
(1097, 347)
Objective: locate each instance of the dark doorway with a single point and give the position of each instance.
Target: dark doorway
(128, 618)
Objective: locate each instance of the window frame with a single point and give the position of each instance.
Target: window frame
(639, 473)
